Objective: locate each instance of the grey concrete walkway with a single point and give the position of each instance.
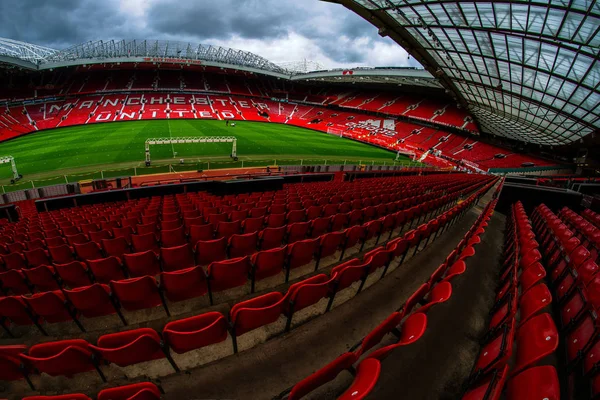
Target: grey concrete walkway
(436, 366)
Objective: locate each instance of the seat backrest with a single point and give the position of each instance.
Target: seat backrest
(136, 391)
(256, 312)
(308, 292)
(228, 274)
(195, 332)
(137, 293)
(208, 251)
(178, 257)
(143, 263)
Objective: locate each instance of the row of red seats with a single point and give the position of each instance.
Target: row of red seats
(591, 216)
(519, 318)
(587, 233)
(135, 391)
(576, 289)
(401, 328)
(147, 213)
(183, 279)
(69, 357)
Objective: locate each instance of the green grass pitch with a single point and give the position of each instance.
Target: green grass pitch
(87, 148)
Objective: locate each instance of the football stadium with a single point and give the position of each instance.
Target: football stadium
(186, 220)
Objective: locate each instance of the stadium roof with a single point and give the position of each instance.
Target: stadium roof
(134, 50)
(527, 70)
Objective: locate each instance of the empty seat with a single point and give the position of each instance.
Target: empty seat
(145, 242)
(62, 358)
(144, 263)
(74, 274)
(226, 274)
(132, 347)
(268, 262)
(497, 350)
(37, 257)
(253, 224)
(93, 301)
(364, 381)
(44, 277)
(438, 294)
(14, 261)
(11, 368)
(534, 383)
(116, 247)
(107, 269)
(302, 252)
(489, 388)
(210, 251)
(178, 257)
(297, 231)
(135, 391)
(53, 307)
(17, 311)
(138, 293)
(184, 284)
(243, 245)
(173, 237)
(536, 339)
(227, 229)
(195, 332)
(201, 232)
(14, 281)
(254, 313)
(271, 237)
(87, 251)
(306, 293)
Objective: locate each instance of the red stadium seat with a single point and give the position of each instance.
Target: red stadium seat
(534, 383)
(107, 269)
(144, 263)
(253, 224)
(17, 311)
(227, 229)
(364, 381)
(53, 307)
(243, 245)
(172, 237)
(177, 258)
(74, 274)
(135, 391)
(297, 231)
(116, 247)
(201, 232)
(301, 253)
(271, 237)
(63, 358)
(145, 242)
(14, 281)
(306, 293)
(536, 339)
(227, 274)
(210, 251)
(37, 257)
(132, 347)
(254, 313)
(44, 277)
(138, 293)
(93, 301)
(11, 368)
(87, 251)
(184, 284)
(268, 263)
(14, 261)
(195, 332)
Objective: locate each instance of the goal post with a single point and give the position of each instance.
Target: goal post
(336, 131)
(190, 140)
(11, 160)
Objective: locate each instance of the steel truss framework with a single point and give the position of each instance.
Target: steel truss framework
(190, 140)
(527, 70)
(24, 51)
(155, 49)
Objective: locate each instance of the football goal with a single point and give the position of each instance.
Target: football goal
(190, 140)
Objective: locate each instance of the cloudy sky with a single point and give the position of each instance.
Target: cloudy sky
(280, 30)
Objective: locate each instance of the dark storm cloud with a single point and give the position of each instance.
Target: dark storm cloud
(338, 34)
